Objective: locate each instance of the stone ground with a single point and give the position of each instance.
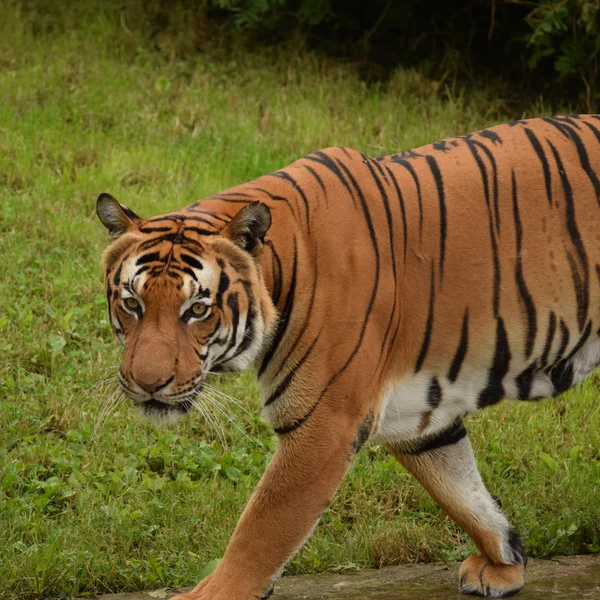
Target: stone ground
(570, 578)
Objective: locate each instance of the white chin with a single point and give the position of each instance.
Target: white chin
(160, 417)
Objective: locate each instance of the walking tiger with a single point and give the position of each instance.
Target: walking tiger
(379, 299)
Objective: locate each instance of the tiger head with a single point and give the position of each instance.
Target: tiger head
(184, 301)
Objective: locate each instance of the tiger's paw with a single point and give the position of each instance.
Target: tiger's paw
(479, 577)
(196, 593)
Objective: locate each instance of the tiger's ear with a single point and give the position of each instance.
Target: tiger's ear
(248, 228)
(118, 219)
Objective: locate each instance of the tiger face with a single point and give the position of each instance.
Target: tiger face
(183, 301)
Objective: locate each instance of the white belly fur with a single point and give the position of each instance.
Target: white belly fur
(404, 403)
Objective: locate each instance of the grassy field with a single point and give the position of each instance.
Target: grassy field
(87, 104)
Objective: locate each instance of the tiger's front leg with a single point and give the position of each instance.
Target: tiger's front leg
(294, 491)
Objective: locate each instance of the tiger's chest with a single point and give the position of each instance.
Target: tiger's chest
(427, 402)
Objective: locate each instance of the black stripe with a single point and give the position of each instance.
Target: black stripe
(461, 351)
(210, 213)
(170, 217)
(582, 291)
(285, 382)
(402, 209)
(570, 119)
(141, 270)
(192, 246)
(155, 229)
(146, 258)
(434, 394)
(272, 196)
(524, 382)
(539, 150)
(578, 286)
(549, 339)
(564, 340)
(322, 159)
(492, 160)
(234, 307)
(275, 273)
(405, 241)
(495, 259)
(491, 135)
(189, 272)
(318, 178)
(200, 231)
(109, 293)
(520, 279)
(309, 312)
(230, 194)
(190, 260)
(446, 437)
(213, 333)
(363, 432)
(297, 423)
(248, 337)
(582, 340)
(388, 216)
(284, 317)
(562, 372)
(223, 284)
(224, 198)
(562, 376)
(199, 220)
(595, 131)
(428, 326)
(296, 186)
(584, 159)
(494, 390)
(404, 163)
(437, 176)
(560, 126)
(377, 166)
(117, 276)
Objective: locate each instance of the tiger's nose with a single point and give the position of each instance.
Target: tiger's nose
(152, 386)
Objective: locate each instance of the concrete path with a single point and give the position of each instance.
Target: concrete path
(572, 578)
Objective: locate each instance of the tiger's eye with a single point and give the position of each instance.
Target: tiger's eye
(131, 303)
(198, 309)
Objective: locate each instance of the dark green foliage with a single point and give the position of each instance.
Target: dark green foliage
(550, 41)
(568, 32)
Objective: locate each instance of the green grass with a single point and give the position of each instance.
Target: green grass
(88, 105)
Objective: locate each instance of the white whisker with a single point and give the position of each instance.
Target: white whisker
(110, 404)
(218, 405)
(216, 426)
(229, 398)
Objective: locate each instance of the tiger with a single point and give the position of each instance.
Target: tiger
(379, 299)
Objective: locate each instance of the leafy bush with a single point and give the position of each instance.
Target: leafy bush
(569, 32)
(554, 41)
